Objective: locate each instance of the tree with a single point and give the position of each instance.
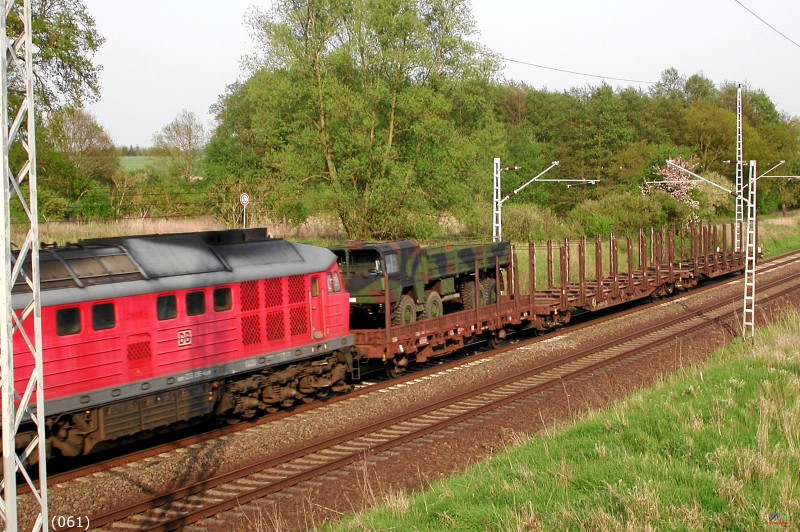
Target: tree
(76, 133)
(698, 88)
(366, 105)
(65, 40)
(676, 183)
(671, 85)
(181, 142)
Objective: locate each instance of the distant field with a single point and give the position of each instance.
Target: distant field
(136, 162)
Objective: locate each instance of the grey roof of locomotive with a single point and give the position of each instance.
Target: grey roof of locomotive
(108, 268)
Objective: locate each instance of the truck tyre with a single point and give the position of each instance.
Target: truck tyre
(488, 292)
(433, 305)
(468, 295)
(405, 313)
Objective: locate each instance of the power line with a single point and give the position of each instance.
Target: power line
(773, 28)
(576, 72)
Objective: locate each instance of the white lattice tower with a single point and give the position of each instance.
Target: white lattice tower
(748, 313)
(497, 206)
(23, 396)
(737, 244)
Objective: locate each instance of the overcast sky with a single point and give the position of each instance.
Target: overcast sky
(167, 55)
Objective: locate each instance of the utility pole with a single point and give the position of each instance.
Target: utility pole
(20, 274)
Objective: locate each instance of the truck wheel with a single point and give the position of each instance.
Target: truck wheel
(405, 313)
(468, 295)
(488, 292)
(433, 305)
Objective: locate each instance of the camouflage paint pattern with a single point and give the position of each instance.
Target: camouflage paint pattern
(413, 269)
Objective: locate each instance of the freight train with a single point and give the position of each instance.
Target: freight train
(142, 332)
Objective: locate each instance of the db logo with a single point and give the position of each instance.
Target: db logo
(184, 338)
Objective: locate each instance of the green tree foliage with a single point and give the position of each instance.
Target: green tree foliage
(77, 134)
(380, 107)
(65, 40)
(180, 142)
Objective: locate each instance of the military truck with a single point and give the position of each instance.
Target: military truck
(421, 279)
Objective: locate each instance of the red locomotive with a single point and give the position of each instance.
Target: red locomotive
(140, 332)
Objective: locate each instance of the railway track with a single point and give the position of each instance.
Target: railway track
(302, 466)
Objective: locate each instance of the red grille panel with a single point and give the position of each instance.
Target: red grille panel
(297, 289)
(251, 332)
(139, 351)
(273, 293)
(275, 326)
(249, 295)
(298, 320)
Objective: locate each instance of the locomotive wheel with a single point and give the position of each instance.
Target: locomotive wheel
(433, 305)
(405, 313)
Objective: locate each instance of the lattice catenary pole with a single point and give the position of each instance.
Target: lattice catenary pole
(737, 242)
(748, 313)
(22, 391)
(497, 208)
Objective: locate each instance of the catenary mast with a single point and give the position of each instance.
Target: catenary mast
(21, 269)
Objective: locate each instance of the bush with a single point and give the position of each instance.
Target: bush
(528, 222)
(94, 205)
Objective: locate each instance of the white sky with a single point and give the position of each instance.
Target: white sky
(167, 55)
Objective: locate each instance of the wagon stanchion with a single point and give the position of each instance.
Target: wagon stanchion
(387, 312)
(532, 274)
(671, 256)
(564, 280)
(726, 264)
(715, 248)
(598, 270)
(614, 258)
(549, 264)
(582, 270)
(631, 282)
(642, 252)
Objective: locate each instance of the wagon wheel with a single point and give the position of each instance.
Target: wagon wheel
(393, 371)
(492, 341)
(433, 305)
(405, 312)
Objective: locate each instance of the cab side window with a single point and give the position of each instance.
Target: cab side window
(103, 316)
(195, 303)
(222, 299)
(166, 307)
(68, 321)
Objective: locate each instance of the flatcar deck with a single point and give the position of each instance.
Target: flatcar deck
(658, 266)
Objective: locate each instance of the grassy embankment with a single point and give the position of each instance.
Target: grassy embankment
(713, 447)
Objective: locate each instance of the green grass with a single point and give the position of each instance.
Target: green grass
(136, 162)
(716, 447)
(779, 235)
